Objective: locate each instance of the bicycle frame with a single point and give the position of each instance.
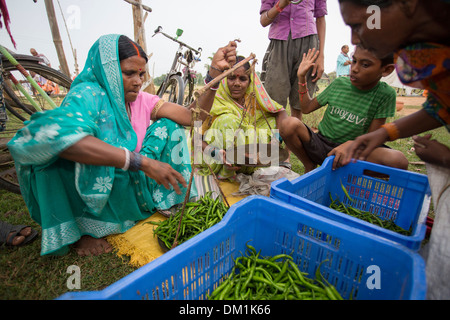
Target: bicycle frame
(187, 59)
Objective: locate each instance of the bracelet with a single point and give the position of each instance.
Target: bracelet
(302, 93)
(127, 159)
(212, 67)
(135, 161)
(277, 6)
(156, 108)
(302, 84)
(208, 79)
(392, 131)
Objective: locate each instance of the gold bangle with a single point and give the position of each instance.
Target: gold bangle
(156, 109)
(392, 131)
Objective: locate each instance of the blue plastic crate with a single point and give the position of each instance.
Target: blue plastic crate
(402, 196)
(196, 267)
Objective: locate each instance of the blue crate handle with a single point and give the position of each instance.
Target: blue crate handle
(359, 166)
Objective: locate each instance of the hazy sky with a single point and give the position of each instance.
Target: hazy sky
(209, 24)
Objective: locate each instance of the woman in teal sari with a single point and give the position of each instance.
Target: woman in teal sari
(95, 166)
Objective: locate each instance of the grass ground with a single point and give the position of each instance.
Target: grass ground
(25, 275)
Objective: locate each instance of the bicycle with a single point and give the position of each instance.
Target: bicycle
(177, 81)
(21, 100)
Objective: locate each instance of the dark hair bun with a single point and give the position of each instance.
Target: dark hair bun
(129, 48)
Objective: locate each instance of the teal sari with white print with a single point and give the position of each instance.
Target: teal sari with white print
(71, 199)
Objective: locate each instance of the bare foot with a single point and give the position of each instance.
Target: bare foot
(17, 240)
(89, 246)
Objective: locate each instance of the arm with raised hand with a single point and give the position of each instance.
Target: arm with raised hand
(307, 104)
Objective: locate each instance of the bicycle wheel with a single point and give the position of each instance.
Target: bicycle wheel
(8, 176)
(20, 108)
(173, 90)
(16, 98)
(189, 92)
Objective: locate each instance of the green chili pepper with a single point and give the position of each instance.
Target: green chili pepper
(346, 193)
(198, 216)
(368, 217)
(267, 278)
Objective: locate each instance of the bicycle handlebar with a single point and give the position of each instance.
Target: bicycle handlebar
(158, 30)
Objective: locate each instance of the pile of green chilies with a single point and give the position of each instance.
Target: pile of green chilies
(272, 278)
(198, 217)
(367, 216)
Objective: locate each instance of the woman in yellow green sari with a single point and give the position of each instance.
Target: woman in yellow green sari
(242, 113)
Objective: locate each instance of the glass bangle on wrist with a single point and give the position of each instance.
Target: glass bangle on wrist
(135, 161)
(208, 79)
(127, 160)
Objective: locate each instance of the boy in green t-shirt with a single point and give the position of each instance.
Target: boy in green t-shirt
(356, 105)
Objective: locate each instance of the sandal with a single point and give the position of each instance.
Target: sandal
(9, 231)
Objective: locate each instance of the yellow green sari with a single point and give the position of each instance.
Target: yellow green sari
(256, 118)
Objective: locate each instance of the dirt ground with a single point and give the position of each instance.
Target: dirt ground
(410, 101)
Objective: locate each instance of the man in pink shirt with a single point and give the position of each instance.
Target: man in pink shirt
(294, 29)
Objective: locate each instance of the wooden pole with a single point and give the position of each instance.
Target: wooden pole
(139, 30)
(74, 51)
(56, 36)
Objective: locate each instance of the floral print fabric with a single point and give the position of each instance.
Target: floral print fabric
(71, 199)
(427, 66)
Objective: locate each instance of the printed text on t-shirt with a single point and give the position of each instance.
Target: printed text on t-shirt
(348, 116)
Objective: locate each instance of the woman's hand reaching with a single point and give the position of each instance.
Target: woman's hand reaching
(228, 165)
(163, 174)
(340, 154)
(363, 145)
(432, 151)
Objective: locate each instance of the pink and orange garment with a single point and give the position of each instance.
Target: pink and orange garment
(427, 66)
